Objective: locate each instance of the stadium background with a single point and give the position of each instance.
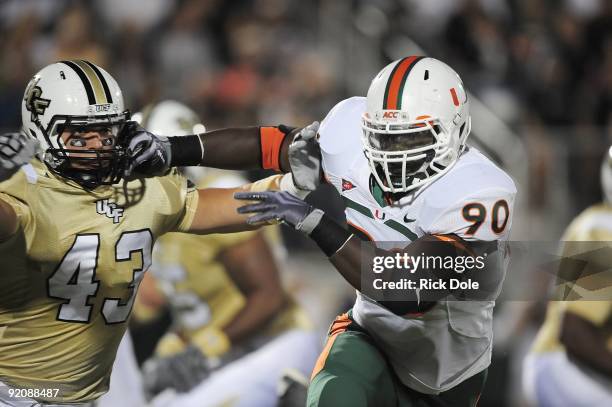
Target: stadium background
(539, 71)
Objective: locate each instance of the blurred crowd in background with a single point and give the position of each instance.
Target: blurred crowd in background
(544, 67)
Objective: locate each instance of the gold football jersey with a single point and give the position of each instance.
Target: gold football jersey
(592, 225)
(68, 278)
(200, 291)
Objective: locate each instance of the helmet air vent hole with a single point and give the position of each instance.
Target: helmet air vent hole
(426, 76)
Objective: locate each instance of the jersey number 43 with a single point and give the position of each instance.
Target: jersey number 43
(74, 280)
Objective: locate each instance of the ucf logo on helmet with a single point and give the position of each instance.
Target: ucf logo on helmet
(34, 102)
(109, 209)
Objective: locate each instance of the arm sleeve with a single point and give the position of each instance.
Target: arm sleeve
(180, 202)
(191, 204)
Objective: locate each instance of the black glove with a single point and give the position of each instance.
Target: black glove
(181, 372)
(148, 155)
(279, 206)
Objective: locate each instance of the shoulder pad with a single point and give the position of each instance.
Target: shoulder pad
(474, 201)
(340, 135)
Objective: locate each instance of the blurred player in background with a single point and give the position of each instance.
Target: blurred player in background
(126, 386)
(231, 315)
(76, 241)
(570, 363)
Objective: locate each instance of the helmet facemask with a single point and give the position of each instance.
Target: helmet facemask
(89, 168)
(407, 155)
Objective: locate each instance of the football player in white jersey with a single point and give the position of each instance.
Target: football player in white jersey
(570, 362)
(400, 161)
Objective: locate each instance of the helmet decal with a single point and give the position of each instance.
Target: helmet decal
(95, 85)
(453, 93)
(34, 101)
(395, 86)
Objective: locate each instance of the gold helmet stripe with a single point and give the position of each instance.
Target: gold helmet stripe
(107, 92)
(84, 79)
(95, 82)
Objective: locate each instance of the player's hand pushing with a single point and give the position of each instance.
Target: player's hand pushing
(148, 155)
(16, 149)
(279, 206)
(305, 158)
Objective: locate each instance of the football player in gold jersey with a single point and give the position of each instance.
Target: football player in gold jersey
(75, 242)
(570, 363)
(226, 298)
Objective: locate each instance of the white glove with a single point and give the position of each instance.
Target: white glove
(16, 149)
(305, 158)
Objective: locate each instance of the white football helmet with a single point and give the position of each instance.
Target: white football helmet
(172, 118)
(74, 96)
(416, 124)
(606, 176)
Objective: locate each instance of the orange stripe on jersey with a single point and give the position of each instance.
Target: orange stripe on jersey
(397, 79)
(338, 326)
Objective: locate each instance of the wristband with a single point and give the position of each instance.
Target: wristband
(186, 151)
(310, 222)
(329, 235)
(271, 140)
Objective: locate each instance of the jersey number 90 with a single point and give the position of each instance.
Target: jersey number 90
(476, 213)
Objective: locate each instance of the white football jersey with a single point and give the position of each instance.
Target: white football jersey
(439, 349)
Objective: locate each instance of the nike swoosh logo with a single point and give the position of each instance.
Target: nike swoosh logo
(408, 220)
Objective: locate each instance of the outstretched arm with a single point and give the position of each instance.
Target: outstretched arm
(216, 211)
(278, 148)
(239, 148)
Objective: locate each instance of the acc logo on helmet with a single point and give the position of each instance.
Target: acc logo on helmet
(391, 114)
